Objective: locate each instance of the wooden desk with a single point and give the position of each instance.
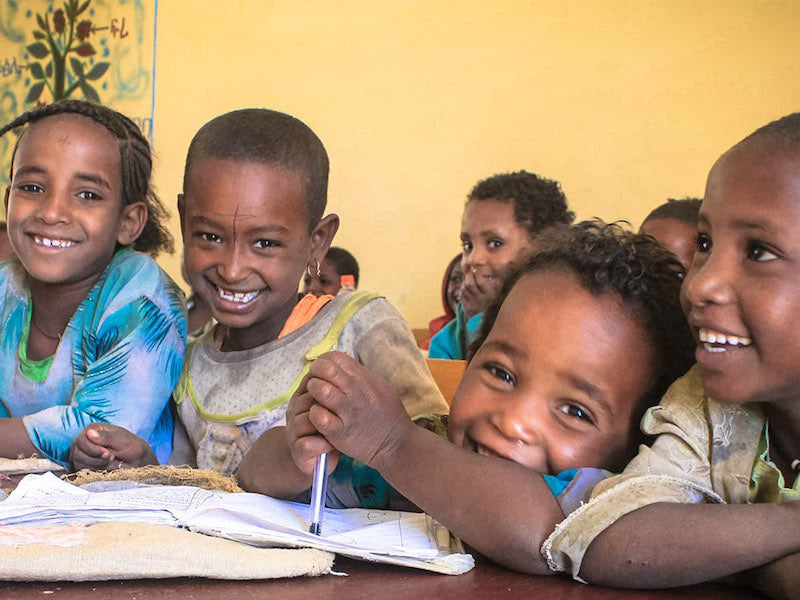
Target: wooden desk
(365, 581)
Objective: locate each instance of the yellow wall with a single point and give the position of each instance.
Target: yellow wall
(625, 102)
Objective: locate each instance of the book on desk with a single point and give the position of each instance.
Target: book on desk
(394, 537)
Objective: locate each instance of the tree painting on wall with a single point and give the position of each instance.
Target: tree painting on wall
(62, 50)
(97, 50)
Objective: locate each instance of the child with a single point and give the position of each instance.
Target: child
(337, 262)
(728, 432)
(91, 330)
(503, 215)
(674, 225)
(255, 187)
(451, 296)
(582, 339)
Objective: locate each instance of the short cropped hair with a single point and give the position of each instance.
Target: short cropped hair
(608, 258)
(784, 131)
(136, 165)
(685, 210)
(260, 135)
(538, 202)
(344, 262)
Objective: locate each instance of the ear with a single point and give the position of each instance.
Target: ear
(181, 208)
(322, 236)
(132, 222)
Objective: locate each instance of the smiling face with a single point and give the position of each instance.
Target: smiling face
(742, 292)
(491, 238)
(246, 238)
(65, 213)
(678, 237)
(547, 388)
(454, 282)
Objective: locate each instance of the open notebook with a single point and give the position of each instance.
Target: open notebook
(401, 538)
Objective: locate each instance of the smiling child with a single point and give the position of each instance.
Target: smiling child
(503, 215)
(717, 494)
(252, 218)
(583, 338)
(92, 331)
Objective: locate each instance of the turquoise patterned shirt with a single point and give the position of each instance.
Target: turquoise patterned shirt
(118, 360)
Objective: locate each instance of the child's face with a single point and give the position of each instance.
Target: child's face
(678, 237)
(328, 282)
(246, 243)
(556, 382)
(64, 203)
(742, 293)
(454, 285)
(491, 238)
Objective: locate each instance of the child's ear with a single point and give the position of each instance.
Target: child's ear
(132, 222)
(322, 236)
(181, 208)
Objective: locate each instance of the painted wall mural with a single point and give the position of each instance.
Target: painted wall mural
(97, 50)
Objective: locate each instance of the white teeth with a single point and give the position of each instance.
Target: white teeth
(50, 243)
(713, 337)
(711, 348)
(239, 297)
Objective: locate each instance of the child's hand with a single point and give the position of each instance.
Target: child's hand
(304, 441)
(477, 292)
(101, 446)
(358, 412)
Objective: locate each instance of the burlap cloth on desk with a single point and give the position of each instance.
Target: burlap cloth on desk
(142, 551)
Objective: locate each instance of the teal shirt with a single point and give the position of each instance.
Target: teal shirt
(117, 362)
(453, 340)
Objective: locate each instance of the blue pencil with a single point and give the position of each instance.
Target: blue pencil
(318, 489)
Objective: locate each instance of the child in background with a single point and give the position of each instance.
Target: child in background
(674, 225)
(582, 339)
(92, 331)
(6, 251)
(503, 215)
(255, 190)
(729, 431)
(451, 296)
(337, 262)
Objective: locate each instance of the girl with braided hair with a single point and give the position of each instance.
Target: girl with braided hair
(91, 329)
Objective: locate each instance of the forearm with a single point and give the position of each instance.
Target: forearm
(14, 439)
(268, 468)
(779, 579)
(693, 543)
(498, 507)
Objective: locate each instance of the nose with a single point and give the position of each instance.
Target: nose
(517, 422)
(709, 280)
(53, 209)
(473, 257)
(233, 266)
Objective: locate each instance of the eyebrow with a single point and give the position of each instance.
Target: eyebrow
(90, 177)
(747, 224)
(268, 228)
(505, 347)
(591, 390)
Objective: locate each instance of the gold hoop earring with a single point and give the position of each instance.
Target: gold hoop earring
(308, 270)
(318, 272)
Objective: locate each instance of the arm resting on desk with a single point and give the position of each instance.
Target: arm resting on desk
(667, 545)
(14, 439)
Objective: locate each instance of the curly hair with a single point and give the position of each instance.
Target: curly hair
(136, 165)
(270, 137)
(538, 202)
(344, 262)
(610, 259)
(686, 210)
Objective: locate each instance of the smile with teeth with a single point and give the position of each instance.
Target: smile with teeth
(714, 341)
(238, 297)
(51, 243)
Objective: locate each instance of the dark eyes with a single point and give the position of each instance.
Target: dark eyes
(266, 244)
(88, 195)
(576, 412)
(207, 237)
(499, 373)
(759, 253)
(31, 188)
(703, 242)
(495, 243)
(466, 246)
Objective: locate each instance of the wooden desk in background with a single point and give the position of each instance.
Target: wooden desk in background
(365, 581)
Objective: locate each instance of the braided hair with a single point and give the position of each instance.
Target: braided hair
(136, 164)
